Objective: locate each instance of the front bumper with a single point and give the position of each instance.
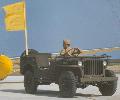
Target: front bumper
(98, 79)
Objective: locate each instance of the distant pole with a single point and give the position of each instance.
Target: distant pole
(26, 33)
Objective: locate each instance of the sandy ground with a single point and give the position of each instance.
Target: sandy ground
(115, 68)
(15, 91)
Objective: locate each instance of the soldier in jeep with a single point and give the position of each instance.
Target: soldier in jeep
(68, 51)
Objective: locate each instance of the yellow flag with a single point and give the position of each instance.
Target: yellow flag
(15, 16)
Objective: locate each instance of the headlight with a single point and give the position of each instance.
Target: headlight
(104, 63)
(80, 63)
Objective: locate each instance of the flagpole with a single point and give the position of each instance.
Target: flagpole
(26, 32)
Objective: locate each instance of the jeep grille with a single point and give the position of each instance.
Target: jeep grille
(93, 67)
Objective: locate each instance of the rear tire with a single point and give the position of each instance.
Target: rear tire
(109, 88)
(30, 83)
(67, 84)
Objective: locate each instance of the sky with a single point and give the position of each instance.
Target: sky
(88, 24)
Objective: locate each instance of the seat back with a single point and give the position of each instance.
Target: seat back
(43, 59)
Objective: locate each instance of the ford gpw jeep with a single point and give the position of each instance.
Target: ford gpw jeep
(69, 72)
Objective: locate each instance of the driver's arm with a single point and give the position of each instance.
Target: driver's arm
(66, 53)
(77, 51)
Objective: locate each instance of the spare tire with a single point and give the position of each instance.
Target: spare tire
(22, 58)
(30, 52)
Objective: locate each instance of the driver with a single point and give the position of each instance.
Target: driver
(67, 50)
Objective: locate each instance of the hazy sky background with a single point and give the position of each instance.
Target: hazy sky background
(87, 23)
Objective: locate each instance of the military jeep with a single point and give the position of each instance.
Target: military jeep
(68, 72)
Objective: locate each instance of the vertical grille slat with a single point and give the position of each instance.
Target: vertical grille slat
(93, 67)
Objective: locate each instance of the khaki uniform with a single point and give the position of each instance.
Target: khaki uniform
(67, 52)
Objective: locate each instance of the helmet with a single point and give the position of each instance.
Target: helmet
(66, 42)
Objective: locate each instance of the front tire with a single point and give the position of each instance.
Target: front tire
(67, 84)
(109, 88)
(30, 83)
